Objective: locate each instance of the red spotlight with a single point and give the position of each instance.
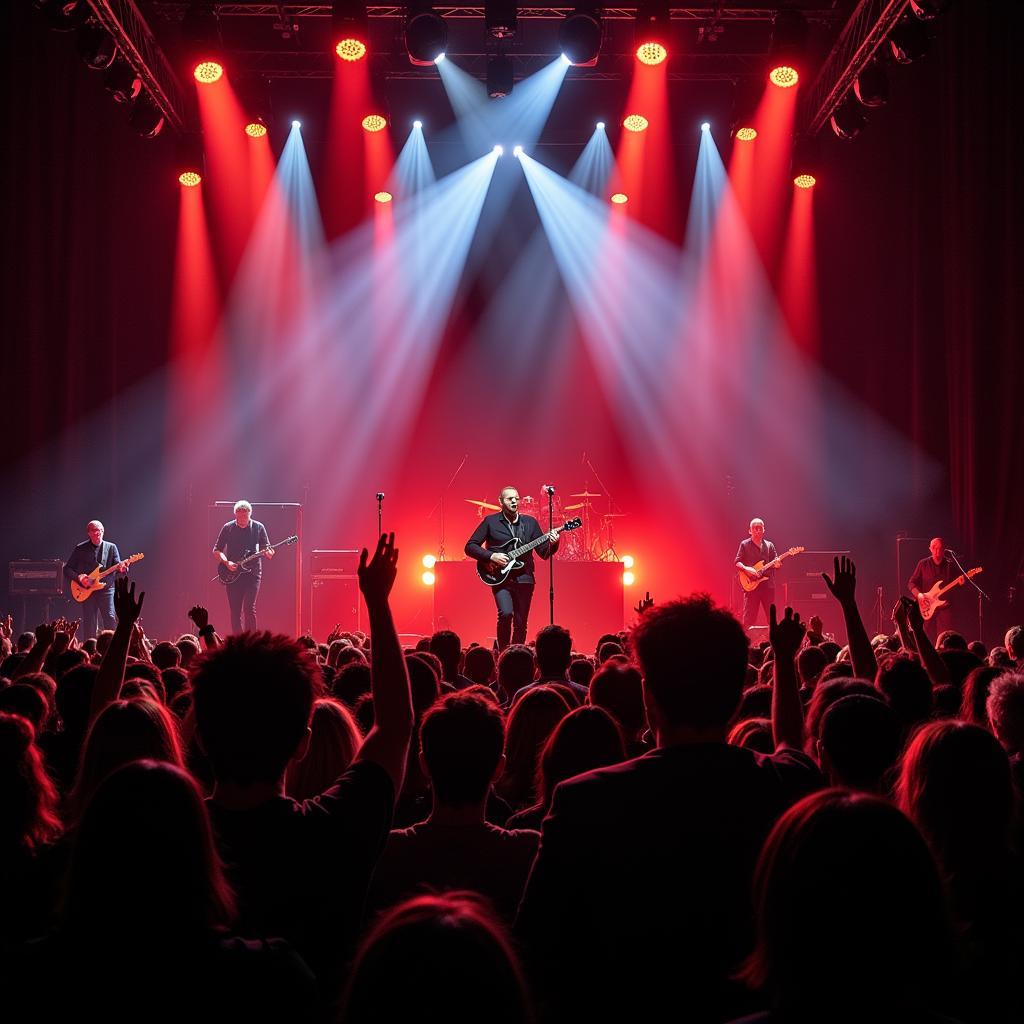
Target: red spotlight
(805, 181)
(256, 129)
(635, 123)
(189, 178)
(784, 76)
(207, 72)
(651, 53)
(619, 198)
(375, 122)
(746, 134)
(350, 49)
(383, 197)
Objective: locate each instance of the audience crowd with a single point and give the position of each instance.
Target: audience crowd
(676, 825)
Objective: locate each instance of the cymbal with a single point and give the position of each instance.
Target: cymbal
(613, 515)
(585, 494)
(482, 504)
(570, 508)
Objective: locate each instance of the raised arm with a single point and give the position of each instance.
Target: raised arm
(936, 668)
(844, 589)
(786, 636)
(33, 661)
(387, 743)
(111, 673)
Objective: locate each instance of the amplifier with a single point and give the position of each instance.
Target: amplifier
(330, 563)
(44, 577)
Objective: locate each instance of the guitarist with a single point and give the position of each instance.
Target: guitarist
(514, 596)
(757, 549)
(98, 608)
(240, 537)
(938, 567)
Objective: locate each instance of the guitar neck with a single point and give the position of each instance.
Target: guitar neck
(516, 552)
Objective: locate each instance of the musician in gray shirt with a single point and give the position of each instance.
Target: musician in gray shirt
(757, 549)
(239, 538)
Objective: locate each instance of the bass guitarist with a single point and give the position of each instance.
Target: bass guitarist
(757, 549)
(514, 596)
(98, 608)
(936, 568)
(238, 538)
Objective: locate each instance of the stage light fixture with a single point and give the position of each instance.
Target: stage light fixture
(499, 76)
(426, 35)
(786, 52)
(375, 122)
(705, 126)
(805, 181)
(383, 197)
(805, 162)
(351, 29)
(189, 160)
(600, 126)
(501, 18)
(297, 125)
(926, 10)
(628, 579)
(651, 32)
(619, 198)
(63, 15)
(146, 117)
(417, 124)
(200, 30)
(908, 41)
(627, 561)
(428, 579)
(746, 134)
(498, 150)
(848, 119)
(871, 86)
(579, 37)
(122, 81)
(96, 46)
(635, 123)
(517, 152)
(256, 128)
(429, 561)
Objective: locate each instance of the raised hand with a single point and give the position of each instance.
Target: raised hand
(377, 577)
(200, 616)
(126, 608)
(45, 634)
(786, 635)
(642, 606)
(335, 634)
(914, 616)
(899, 612)
(844, 584)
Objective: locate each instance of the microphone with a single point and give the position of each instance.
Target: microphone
(380, 495)
(549, 489)
(950, 551)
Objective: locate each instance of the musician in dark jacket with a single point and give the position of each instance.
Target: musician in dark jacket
(936, 568)
(514, 596)
(98, 608)
(239, 538)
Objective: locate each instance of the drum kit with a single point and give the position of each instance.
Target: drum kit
(594, 543)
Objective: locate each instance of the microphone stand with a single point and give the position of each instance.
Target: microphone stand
(612, 505)
(440, 503)
(380, 503)
(551, 554)
(970, 579)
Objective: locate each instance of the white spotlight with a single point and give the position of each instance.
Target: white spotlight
(439, 58)
(417, 124)
(296, 124)
(600, 126)
(517, 152)
(498, 150)
(706, 126)
(566, 59)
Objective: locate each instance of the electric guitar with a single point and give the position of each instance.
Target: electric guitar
(227, 577)
(80, 593)
(931, 602)
(494, 575)
(748, 584)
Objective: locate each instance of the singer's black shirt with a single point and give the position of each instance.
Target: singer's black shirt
(927, 574)
(496, 531)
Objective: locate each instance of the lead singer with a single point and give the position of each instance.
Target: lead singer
(514, 596)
